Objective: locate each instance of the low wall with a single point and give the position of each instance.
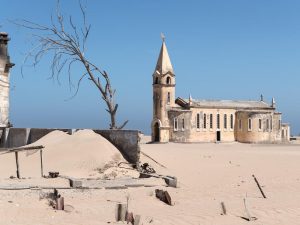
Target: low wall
(127, 141)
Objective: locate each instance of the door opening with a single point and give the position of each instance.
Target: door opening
(156, 132)
(218, 135)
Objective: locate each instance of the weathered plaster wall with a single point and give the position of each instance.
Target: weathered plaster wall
(204, 133)
(269, 132)
(127, 141)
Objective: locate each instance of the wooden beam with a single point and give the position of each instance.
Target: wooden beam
(17, 163)
(258, 185)
(42, 169)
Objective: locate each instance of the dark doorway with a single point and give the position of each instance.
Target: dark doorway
(156, 132)
(218, 135)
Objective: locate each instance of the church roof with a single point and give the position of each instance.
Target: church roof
(236, 104)
(164, 64)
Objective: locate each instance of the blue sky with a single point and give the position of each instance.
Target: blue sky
(234, 49)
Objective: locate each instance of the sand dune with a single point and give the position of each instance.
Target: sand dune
(82, 154)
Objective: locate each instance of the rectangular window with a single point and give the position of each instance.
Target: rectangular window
(211, 121)
(231, 121)
(225, 121)
(198, 120)
(175, 124)
(204, 121)
(218, 121)
(259, 124)
(249, 124)
(182, 124)
(268, 124)
(240, 124)
(169, 98)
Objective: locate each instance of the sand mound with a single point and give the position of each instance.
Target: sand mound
(83, 154)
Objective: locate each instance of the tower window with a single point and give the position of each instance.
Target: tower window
(169, 98)
(156, 80)
(204, 121)
(231, 121)
(268, 124)
(198, 120)
(183, 124)
(175, 124)
(218, 121)
(225, 121)
(210, 121)
(249, 124)
(168, 80)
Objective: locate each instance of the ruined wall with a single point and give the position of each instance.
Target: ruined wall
(285, 132)
(127, 141)
(5, 65)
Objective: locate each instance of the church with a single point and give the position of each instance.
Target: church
(190, 120)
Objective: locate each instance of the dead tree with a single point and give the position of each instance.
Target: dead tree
(65, 41)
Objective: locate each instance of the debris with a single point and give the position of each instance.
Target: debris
(223, 208)
(163, 196)
(53, 174)
(75, 183)
(171, 181)
(146, 168)
(248, 215)
(261, 191)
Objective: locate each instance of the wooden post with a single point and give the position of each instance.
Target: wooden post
(121, 210)
(41, 155)
(261, 191)
(223, 208)
(17, 163)
(60, 203)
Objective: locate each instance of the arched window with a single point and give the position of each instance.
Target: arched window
(168, 80)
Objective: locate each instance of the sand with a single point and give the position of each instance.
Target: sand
(208, 174)
(81, 155)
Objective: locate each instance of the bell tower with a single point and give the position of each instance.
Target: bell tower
(5, 66)
(163, 95)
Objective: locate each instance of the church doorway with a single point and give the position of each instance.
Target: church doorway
(156, 132)
(218, 135)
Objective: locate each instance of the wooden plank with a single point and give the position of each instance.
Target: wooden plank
(17, 164)
(258, 185)
(42, 169)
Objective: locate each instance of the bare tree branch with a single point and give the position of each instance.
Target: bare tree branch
(65, 41)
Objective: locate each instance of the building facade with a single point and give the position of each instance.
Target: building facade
(190, 120)
(5, 66)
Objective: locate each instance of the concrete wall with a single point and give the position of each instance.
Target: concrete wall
(127, 141)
